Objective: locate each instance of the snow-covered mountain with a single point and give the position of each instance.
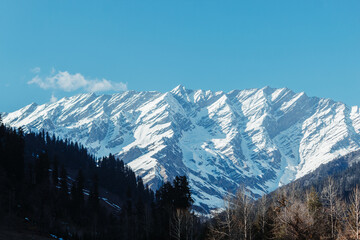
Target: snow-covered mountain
(260, 138)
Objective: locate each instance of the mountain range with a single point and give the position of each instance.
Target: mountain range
(258, 138)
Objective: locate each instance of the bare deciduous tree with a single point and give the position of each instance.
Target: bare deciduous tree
(329, 198)
(177, 224)
(262, 213)
(223, 226)
(243, 213)
(354, 213)
(235, 221)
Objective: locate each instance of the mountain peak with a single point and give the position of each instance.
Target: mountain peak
(178, 88)
(30, 107)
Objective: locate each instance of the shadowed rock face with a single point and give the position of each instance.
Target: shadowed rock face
(260, 138)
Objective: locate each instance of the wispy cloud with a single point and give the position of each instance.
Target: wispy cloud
(53, 98)
(35, 70)
(63, 80)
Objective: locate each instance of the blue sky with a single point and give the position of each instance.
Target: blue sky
(55, 48)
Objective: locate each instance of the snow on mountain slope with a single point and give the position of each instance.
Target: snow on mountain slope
(260, 138)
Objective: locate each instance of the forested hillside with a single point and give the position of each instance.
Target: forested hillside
(345, 172)
(324, 204)
(53, 187)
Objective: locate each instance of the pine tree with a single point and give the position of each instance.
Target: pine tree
(42, 168)
(77, 194)
(181, 193)
(94, 194)
(63, 182)
(55, 172)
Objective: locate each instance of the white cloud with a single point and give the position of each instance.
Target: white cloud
(53, 98)
(39, 81)
(66, 81)
(105, 85)
(35, 70)
(71, 82)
